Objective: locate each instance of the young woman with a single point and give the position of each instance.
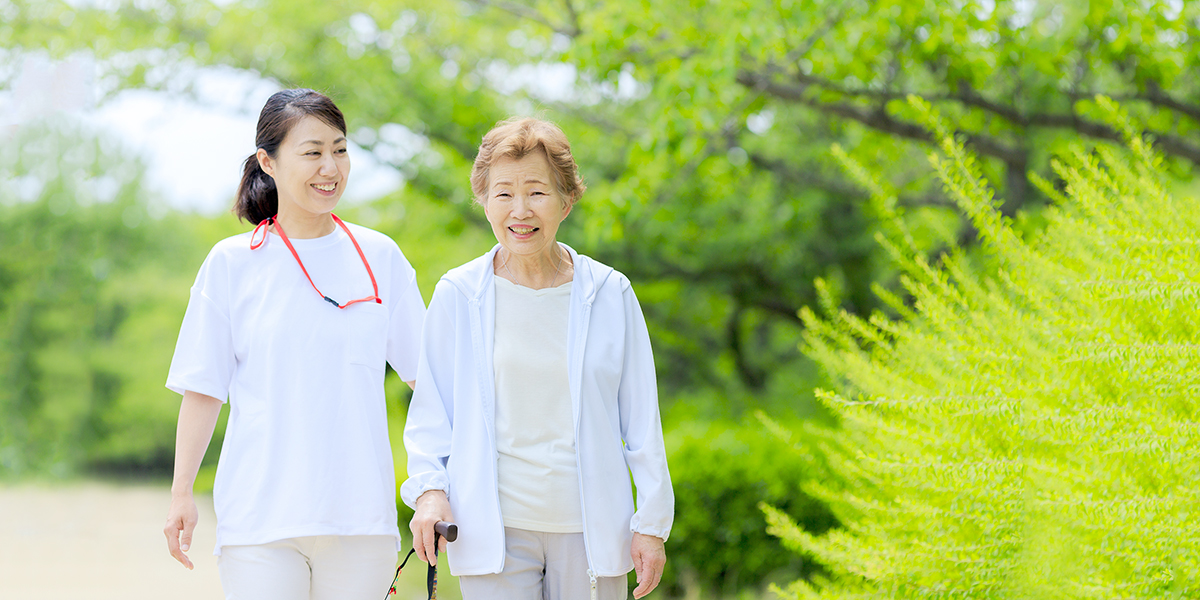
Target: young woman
(293, 323)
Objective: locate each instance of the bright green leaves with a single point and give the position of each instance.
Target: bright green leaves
(1026, 433)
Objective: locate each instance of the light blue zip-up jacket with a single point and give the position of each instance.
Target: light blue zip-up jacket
(450, 433)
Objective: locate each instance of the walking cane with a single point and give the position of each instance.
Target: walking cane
(450, 532)
(440, 529)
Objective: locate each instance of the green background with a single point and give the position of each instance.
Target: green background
(961, 377)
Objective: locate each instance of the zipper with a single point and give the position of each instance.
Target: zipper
(496, 485)
(499, 513)
(579, 349)
(484, 383)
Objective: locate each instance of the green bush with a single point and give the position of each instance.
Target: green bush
(1028, 428)
(721, 473)
(84, 255)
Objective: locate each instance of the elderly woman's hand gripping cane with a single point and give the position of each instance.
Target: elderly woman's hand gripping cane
(442, 529)
(432, 507)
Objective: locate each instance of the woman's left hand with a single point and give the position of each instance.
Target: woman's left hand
(649, 558)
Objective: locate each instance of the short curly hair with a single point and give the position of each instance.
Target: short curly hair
(518, 137)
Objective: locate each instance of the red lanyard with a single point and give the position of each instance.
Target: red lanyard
(275, 221)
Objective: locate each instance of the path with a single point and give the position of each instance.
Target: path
(104, 542)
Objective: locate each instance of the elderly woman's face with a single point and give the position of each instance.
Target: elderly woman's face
(523, 204)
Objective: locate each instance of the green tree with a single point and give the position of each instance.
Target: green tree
(76, 228)
(722, 181)
(1025, 430)
(702, 127)
(721, 265)
(703, 130)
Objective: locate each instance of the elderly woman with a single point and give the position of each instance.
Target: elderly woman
(536, 399)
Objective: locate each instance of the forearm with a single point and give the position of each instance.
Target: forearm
(641, 429)
(647, 463)
(197, 418)
(427, 436)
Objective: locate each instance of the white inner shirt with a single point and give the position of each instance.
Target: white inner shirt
(535, 430)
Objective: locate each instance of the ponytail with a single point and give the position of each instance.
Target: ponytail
(257, 199)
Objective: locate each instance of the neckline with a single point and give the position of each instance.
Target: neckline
(519, 287)
(310, 243)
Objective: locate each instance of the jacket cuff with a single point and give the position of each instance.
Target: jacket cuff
(657, 531)
(413, 487)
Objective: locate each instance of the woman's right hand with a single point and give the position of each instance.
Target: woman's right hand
(181, 522)
(432, 506)
(197, 416)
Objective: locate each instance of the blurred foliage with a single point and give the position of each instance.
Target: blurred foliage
(702, 128)
(722, 472)
(90, 284)
(1028, 431)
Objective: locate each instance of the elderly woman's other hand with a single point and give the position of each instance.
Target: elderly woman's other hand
(432, 506)
(649, 558)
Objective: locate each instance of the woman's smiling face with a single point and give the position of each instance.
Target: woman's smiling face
(310, 168)
(523, 204)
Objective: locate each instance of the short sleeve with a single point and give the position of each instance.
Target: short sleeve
(408, 314)
(204, 360)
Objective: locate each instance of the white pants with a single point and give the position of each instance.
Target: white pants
(324, 567)
(542, 566)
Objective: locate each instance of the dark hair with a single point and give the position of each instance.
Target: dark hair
(257, 198)
(516, 137)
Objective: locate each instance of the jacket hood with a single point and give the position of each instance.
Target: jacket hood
(474, 278)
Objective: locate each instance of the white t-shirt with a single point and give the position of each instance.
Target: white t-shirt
(306, 449)
(535, 433)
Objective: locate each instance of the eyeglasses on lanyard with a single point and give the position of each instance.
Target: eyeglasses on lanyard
(279, 228)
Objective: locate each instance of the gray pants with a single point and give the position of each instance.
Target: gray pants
(542, 566)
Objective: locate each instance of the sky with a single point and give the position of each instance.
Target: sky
(195, 131)
(193, 141)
